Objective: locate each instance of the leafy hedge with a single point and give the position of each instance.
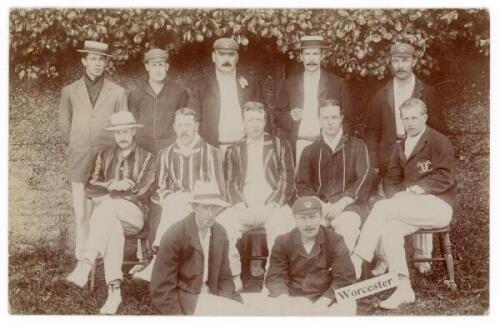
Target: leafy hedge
(40, 39)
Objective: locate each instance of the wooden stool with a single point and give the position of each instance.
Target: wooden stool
(447, 256)
(252, 247)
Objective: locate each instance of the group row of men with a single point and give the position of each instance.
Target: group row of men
(209, 163)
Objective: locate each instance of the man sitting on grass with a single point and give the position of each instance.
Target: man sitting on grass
(120, 185)
(307, 265)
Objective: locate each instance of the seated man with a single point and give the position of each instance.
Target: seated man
(193, 259)
(336, 168)
(260, 182)
(120, 185)
(310, 261)
(420, 184)
(180, 165)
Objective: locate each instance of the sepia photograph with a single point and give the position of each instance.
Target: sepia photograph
(248, 161)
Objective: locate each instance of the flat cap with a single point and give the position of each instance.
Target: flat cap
(312, 42)
(226, 43)
(306, 205)
(402, 49)
(155, 55)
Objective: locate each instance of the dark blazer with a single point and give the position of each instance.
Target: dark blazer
(331, 175)
(205, 98)
(431, 166)
(157, 113)
(291, 95)
(380, 134)
(178, 272)
(278, 165)
(294, 272)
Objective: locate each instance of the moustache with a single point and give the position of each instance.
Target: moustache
(227, 64)
(400, 71)
(184, 134)
(311, 64)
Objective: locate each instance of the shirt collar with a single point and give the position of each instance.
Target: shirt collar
(190, 147)
(225, 76)
(333, 143)
(416, 138)
(91, 82)
(128, 152)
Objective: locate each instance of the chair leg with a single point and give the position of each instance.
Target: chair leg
(449, 261)
(140, 255)
(93, 271)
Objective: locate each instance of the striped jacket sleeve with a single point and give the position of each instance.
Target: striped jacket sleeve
(97, 185)
(360, 188)
(234, 175)
(215, 169)
(163, 180)
(286, 182)
(145, 179)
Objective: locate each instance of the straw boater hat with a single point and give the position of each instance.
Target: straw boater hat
(95, 48)
(122, 120)
(208, 194)
(312, 42)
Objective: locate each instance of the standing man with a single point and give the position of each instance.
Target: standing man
(337, 169)
(307, 264)
(120, 185)
(420, 186)
(193, 259)
(180, 166)
(385, 128)
(260, 183)
(155, 102)
(84, 111)
(219, 98)
(300, 94)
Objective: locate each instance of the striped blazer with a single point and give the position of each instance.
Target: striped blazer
(278, 165)
(108, 166)
(179, 171)
(331, 175)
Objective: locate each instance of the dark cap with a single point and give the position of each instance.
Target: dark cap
(156, 55)
(306, 205)
(312, 42)
(402, 49)
(227, 44)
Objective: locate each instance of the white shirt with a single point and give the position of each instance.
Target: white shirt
(309, 125)
(411, 142)
(230, 121)
(402, 91)
(335, 141)
(256, 189)
(205, 246)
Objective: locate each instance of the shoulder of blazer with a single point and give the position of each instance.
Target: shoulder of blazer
(113, 85)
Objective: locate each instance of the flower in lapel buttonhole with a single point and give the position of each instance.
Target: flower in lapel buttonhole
(243, 82)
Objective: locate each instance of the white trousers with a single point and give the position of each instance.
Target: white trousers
(111, 220)
(392, 219)
(81, 207)
(236, 221)
(173, 208)
(347, 225)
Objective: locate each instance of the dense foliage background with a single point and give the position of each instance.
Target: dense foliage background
(360, 39)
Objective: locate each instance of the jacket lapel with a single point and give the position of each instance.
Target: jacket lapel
(243, 157)
(82, 92)
(418, 89)
(420, 144)
(105, 92)
(194, 239)
(323, 84)
(389, 90)
(241, 92)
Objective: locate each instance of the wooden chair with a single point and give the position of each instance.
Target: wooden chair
(446, 252)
